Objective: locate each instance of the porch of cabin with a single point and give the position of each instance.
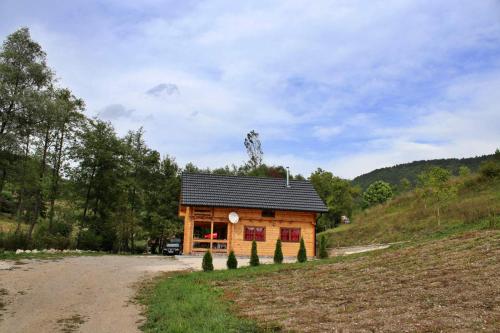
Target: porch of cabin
(204, 231)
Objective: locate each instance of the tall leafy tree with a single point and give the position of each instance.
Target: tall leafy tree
(96, 179)
(24, 81)
(254, 149)
(437, 188)
(337, 193)
(69, 120)
(136, 171)
(160, 217)
(23, 69)
(378, 192)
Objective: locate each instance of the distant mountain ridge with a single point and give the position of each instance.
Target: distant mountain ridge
(394, 174)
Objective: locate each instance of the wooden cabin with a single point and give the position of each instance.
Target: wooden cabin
(224, 213)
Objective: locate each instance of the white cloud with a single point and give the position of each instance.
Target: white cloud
(115, 111)
(326, 132)
(163, 89)
(342, 85)
(453, 129)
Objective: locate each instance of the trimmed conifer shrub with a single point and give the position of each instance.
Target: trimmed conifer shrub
(278, 253)
(254, 258)
(323, 252)
(232, 262)
(302, 256)
(207, 263)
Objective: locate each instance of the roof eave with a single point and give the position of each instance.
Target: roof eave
(322, 210)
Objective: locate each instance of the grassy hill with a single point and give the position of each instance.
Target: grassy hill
(394, 174)
(407, 217)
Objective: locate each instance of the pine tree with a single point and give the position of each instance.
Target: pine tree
(278, 253)
(323, 252)
(301, 256)
(207, 264)
(254, 258)
(232, 262)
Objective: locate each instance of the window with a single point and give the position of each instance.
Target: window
(290, 234)
(255, 233)
(268, 213)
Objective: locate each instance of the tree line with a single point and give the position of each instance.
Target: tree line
(409, 172)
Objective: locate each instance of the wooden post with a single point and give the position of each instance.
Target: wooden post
(211, 233)
(188, 233)
(229, 237)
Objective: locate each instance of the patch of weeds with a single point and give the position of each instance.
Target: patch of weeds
(2, 308)
(3, 292)
(71, 324)
(10, 255)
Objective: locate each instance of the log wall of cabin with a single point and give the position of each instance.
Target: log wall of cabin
(253, 218)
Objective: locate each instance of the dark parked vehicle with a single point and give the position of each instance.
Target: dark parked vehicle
(173, 247)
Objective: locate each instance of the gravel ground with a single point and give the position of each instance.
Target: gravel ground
(81, 294)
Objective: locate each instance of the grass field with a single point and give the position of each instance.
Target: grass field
(448, 284)
(407, 218)
(196, 301)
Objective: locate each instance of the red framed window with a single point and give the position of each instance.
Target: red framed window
(255, 233)
(290, 234)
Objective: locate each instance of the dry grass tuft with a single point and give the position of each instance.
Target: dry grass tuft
(70, 324)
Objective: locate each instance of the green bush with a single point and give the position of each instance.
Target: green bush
(323, 252)
(232, 262)
(463, 171)
(302, 256)
(278, 253)
(378, 192)
(490, 169)
(12, 241)
(207, 263)
(140, 247)
(254, 258)
(7, 204)
(58, 237)
(88, 240)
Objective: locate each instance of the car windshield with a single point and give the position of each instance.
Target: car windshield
(172, 245)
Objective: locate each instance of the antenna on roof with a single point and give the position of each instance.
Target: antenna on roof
(287, 176)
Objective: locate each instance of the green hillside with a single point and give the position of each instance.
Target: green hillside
(407, 217)
(394, 174)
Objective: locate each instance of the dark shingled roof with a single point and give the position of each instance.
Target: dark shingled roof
(202, 189)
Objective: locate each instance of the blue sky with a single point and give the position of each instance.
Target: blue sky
(348, 86)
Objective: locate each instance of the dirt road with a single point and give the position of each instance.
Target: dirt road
(87, 294)
(80, 294)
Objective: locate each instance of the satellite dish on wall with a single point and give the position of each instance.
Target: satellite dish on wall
(233, 217)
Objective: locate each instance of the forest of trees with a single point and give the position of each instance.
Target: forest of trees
(61, 172)
(409, 171)
(69, 181)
